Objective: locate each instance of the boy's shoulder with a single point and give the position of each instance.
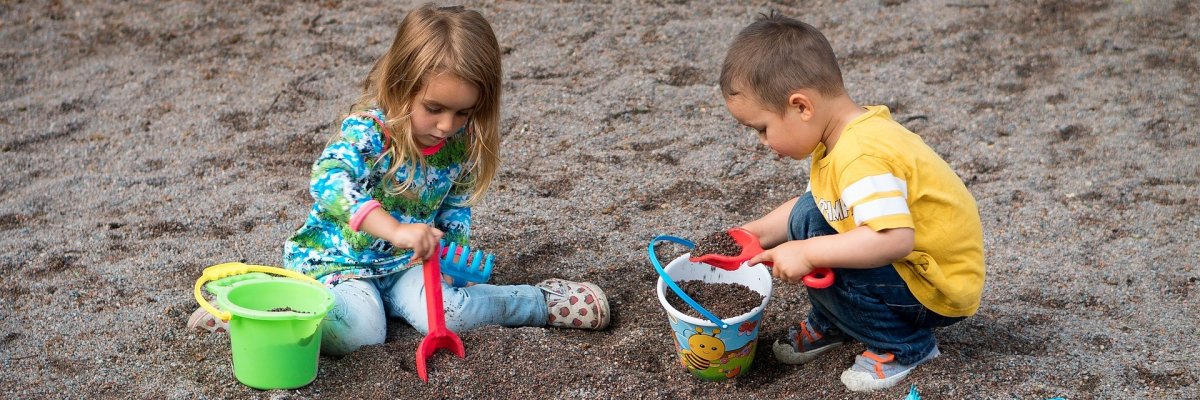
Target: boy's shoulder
(872, 134)
(875, 143)
(876, 120)
(875, 133)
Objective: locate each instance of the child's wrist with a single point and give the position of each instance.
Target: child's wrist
(396, 236)
(361, 215)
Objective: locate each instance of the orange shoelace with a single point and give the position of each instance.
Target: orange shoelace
(809, 334)
(879, 361)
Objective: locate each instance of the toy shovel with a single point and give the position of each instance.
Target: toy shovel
(819, 278)
(438, 337)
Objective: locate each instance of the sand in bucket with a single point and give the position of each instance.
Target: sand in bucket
(706, 350)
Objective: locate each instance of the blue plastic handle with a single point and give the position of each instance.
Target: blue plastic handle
(671, 282)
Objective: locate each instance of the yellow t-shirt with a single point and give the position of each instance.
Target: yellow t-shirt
(883, 176)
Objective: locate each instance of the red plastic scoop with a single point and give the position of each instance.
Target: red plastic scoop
(750, 248)
(819, 278)
(439, 337)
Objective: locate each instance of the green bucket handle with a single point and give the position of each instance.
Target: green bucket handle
(229, 269)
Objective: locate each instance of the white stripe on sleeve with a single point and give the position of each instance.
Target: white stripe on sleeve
(870, 185)
(878, 208)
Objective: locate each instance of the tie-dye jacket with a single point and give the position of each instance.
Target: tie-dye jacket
(347, 176)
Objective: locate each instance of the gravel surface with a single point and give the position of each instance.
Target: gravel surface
(143, 141)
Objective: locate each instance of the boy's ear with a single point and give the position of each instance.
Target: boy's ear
(802, 104)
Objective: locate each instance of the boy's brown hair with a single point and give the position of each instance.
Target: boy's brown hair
(775, 56)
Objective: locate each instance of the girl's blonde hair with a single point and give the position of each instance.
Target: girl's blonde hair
(433, 40)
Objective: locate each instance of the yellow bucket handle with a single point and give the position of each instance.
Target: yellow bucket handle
(236, 268)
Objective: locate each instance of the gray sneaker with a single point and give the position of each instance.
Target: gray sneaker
(803, 343)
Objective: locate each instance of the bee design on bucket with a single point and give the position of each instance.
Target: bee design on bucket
(704, 349)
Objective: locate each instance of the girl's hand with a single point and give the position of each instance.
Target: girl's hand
(791, 265)
(422, 239)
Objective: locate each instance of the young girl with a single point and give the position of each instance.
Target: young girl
(417, 149)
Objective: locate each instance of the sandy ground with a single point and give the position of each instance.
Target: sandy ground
(144, 141)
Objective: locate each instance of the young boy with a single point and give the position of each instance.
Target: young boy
(882, 208)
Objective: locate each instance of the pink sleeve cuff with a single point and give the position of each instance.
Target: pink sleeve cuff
(358, 217)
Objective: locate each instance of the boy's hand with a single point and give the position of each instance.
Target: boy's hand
(422, 239)
(791, 265)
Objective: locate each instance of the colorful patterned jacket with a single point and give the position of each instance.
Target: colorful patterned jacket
(346, 184)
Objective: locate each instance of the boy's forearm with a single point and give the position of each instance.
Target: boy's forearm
(859, 248)
(772, 229)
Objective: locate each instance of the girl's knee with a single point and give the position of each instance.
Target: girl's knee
(339, 341)
(454, 310)
(356, 320)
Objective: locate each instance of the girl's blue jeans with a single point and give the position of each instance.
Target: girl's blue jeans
(362, 306)
(873, 306)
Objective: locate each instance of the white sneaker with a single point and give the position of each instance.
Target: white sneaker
(872, 371)
(203, 321)
(575, 304)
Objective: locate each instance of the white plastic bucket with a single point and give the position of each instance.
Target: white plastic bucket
(706, 350)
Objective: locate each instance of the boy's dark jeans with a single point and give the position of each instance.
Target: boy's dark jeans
(873, 306)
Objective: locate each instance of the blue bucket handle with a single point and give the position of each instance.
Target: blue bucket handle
(671, 282)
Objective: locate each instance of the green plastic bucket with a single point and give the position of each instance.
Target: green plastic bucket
(274, 322)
